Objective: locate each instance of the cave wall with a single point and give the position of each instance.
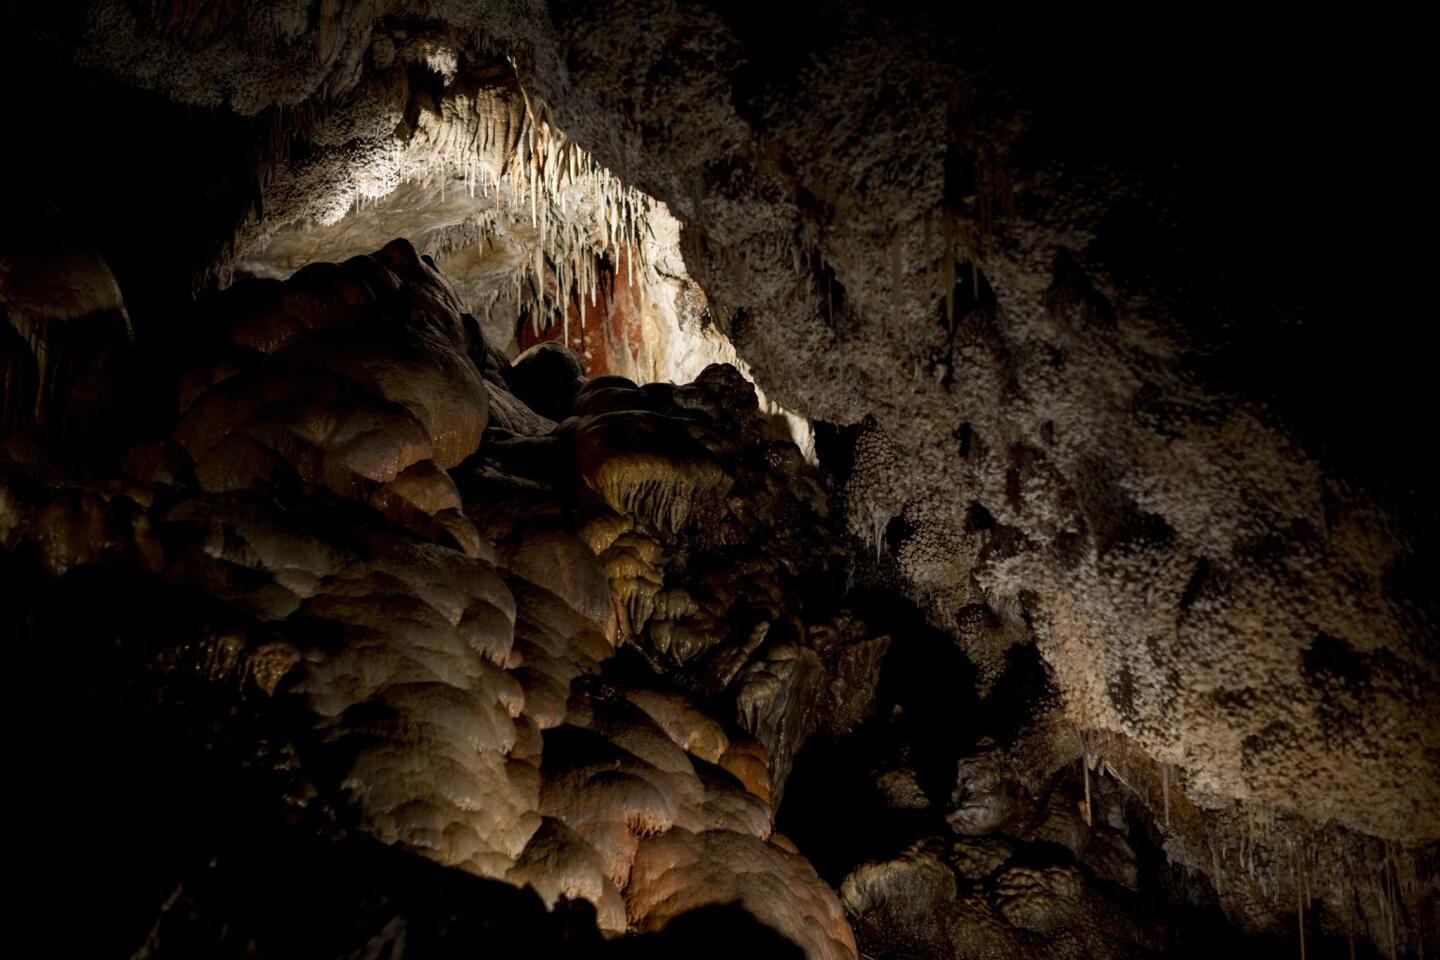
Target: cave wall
(1127, 383)
(1182, 546)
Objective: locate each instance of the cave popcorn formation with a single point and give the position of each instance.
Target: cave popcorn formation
(467, 592)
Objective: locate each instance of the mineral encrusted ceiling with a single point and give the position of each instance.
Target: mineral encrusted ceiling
(1103, 374)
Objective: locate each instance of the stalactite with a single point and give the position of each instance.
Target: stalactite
(1165, 789)
(925, 251)
(1297, 872)
(830, 298)
(1086, 763)
(1216, 859)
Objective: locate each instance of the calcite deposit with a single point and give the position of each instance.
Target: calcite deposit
(625, 477)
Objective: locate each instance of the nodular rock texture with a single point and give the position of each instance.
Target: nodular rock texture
(1107, 392)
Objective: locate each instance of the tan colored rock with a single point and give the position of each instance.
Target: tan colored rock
(647, 466)
(749, 763)
(558, 863)
(679, 871)
(695, 732)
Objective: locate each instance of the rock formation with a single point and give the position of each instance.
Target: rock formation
(852, 478)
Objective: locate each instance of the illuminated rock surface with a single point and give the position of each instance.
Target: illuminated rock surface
(1079, 601)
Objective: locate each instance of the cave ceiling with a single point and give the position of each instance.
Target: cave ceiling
(616, 450)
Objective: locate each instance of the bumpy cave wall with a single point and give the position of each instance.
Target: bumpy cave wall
(1093, 325)
(321, 588)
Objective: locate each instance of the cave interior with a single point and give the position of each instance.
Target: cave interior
(644, 478)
